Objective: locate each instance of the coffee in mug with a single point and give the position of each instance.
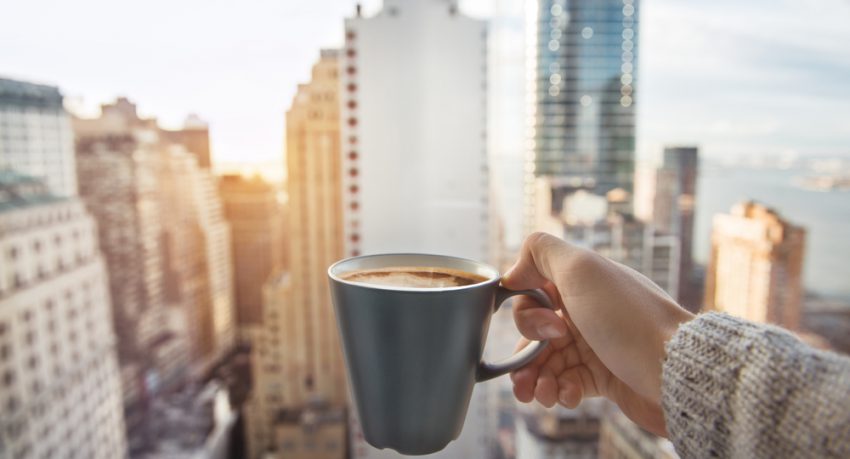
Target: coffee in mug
(414, 277)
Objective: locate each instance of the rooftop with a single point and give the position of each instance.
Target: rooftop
(21, 93)
(19, 191)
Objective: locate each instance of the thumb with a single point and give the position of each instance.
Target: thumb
(534, 268)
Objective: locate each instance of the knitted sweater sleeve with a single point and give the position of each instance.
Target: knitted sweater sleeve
(732, 388)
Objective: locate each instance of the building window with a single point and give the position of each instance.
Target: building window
(350, 35)
(5, 352)
(352, 87)
(355, 238)
(8, 378)
(351, 70)
(352, 104)
(12, 404)
(350, 52)
(2, 328)
(352, 140)
(353, 189)
(352, 121)
(353, 172)
(354, 205)
(352, 155)
(13, 253)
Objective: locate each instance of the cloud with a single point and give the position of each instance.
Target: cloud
(745, 76)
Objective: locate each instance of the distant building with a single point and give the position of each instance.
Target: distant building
(581, 86)
(60, 385)
(36, 136)
(255, 214)
(313, 432)
(118, 177)
(413, 131)
(167, 246)
(673, 211)
(415, 172)
(297, 359)
(195, 136)
(199, 267)
(620, 438)
(559, 433)
(604, 225)
(755, 267)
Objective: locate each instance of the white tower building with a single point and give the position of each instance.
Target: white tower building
(413, 128)
(413, 136)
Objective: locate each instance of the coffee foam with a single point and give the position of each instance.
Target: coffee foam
(414, 277)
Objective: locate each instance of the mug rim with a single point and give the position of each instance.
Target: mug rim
(495, 278)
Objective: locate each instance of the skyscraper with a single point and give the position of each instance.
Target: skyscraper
(118, 173)
(755, 268)
(414, 158)
(297, 362)
(199, 259)
(415, 171)
(581, 69)
(36, 136)
(195, 136)
(167, 247)
(60, 385)
(255, 216)
(673, 211)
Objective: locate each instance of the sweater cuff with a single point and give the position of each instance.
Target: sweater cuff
(699, 374)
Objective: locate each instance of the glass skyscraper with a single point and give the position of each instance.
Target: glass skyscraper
(581, 68)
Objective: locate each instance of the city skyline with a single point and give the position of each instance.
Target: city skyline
(185, 298)
(687, 46)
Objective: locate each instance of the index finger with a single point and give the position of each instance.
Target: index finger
(539, 260)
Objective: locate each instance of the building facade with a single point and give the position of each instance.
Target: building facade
(559, 433)
(195, 136)
(620, 438)
(755, 267)
(413, 131)
(198, 257)
(36, 136)
(673, 211)
(581, 85)
(297, 359)
(60, 385)
(255, 214)
(118, 173)
(167, 247)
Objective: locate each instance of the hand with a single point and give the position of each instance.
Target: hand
(607, 339)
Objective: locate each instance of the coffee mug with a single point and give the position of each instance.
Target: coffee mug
(413, 355)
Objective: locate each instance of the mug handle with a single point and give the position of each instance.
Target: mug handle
(487, 370)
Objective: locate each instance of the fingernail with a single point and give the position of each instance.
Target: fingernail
(549, 331)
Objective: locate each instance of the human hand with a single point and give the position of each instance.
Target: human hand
(607, 339)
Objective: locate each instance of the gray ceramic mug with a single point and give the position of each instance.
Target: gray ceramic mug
(413, 355)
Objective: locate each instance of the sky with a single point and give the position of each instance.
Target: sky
(736, 78)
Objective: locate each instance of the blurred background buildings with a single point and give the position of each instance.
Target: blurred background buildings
(157, 303)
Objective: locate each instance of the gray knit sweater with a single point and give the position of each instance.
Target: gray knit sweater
(732, 388)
